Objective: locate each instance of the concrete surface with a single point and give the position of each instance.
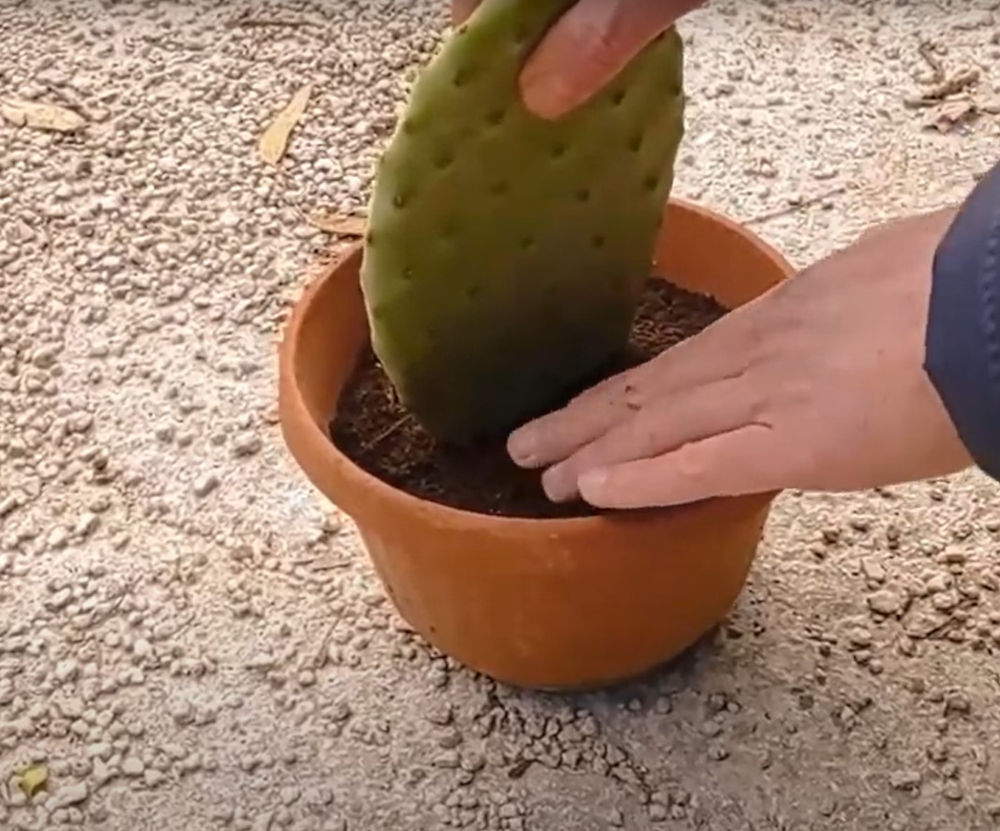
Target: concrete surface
(190, 639)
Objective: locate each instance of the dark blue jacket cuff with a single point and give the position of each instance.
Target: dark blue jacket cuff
(963, 327)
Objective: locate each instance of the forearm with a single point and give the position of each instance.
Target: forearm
(963, 329)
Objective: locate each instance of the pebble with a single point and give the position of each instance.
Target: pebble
(71, 794)
(9, 504)
(440, 714)
(153, 777)
(887, 601)
(66, 670)
(59, 600)
(953, 790)
(905, 780)
(945, 601)
(206, 484)
(873, 570)
(953, 556)
(132, 766)
(246, 444)
(957, 703)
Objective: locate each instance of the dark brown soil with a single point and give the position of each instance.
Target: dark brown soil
(373, 429)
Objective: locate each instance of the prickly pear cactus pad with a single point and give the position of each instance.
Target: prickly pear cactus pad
(506, 253)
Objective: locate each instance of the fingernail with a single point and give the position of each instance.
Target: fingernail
(592, 484)
(545, 94)
(557, 485)
(521, 447)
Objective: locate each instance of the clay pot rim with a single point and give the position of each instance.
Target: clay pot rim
(295, 417)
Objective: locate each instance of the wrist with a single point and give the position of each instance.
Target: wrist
(962, 341)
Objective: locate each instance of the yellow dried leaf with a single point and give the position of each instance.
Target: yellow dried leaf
(41, 116)
(32, 779)
(274, 139)
(347, 226)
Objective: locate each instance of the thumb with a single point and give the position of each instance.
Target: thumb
(589, 46)
(461, 9)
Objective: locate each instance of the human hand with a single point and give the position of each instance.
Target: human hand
(818, 384)
(587, 47)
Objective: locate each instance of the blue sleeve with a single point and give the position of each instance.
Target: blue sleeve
(963, 327)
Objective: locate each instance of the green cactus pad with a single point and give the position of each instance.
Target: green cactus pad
(506, 253)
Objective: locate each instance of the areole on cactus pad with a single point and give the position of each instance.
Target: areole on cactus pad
(506, 254)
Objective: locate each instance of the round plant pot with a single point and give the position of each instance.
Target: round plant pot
(549, 604)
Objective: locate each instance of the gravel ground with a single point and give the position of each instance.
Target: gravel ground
(190, 638)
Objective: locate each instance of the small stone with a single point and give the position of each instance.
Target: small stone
(942, 581)
(952, 556)
(59, 599)
(72, 794)
(246, 444)
(508, 810)
(859, 637)
(153, 777)
(86, 524)
(450, 740)
(72, 707)
(905, 780)
(182, 712)
(66, 670)
(945, 601)
(440, 714)
(873, 570)
(957, 703)
(937, 751)
(473, 762)
(449, 759)
(952, 790)
(887, 601)
(174, 751)
(9, 503)
(133, 766)
(718, 752)
(99, 750)
(921, 625)
(205, 485)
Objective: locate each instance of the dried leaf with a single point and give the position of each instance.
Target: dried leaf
(959, 82)
(946, 117)
(927, 50)
(41, 116)
(32, 779)
(347, 226)
(274, 139)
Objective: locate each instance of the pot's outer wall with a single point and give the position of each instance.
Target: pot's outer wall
(552, 604)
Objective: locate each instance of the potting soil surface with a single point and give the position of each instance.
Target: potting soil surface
(373, 428)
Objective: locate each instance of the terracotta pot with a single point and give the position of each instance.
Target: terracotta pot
(549, 604)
